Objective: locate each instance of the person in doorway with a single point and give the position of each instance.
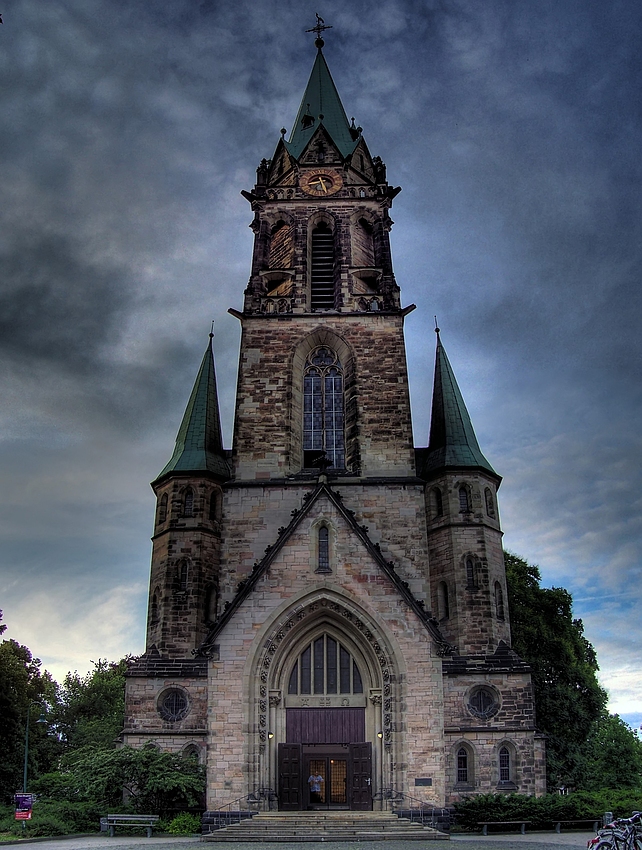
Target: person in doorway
(315, 782)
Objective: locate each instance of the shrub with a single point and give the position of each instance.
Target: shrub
(185, 824)
(541, 811)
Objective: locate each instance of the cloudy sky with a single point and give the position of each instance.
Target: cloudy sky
(129, 128)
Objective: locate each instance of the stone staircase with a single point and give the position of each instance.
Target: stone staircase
(325, 826)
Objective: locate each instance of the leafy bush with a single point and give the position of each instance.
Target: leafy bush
(185, 824)
(154, 782)
(541, 811)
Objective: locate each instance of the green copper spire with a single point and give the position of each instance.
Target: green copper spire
(199, 446)
(453, 443)
(321, 105)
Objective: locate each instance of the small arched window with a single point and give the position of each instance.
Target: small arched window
(162, 508)
(323, 432)
(443, 605)
(322, 267)
(464, 500)
(323, 543)
(191, 751)
(325, 667)
(188, 502)
(504, 765)
(499, 601)
(437, 502)
(462, 765)
(470, 573)
(490, 504)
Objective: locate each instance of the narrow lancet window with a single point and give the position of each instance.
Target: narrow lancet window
(162, 508)
(323, 433)
(470, 573)
(188, 502)
(323, 565)
(490, 505)
(499, 601)
(462, 765)
(442, 601)
(464, 500)
(504, 765)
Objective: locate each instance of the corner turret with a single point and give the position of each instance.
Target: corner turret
(468, 579)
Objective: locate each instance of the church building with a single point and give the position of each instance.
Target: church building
(326, 599)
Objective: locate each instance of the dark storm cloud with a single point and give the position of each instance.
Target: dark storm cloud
(129, 130)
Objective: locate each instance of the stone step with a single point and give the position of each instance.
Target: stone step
(324, 826)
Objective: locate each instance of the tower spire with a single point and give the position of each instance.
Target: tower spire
(453, 443)
(321, 106)
(199, 445)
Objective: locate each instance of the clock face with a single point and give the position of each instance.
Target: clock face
(321, 182)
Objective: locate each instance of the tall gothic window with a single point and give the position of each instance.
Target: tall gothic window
(325, 667)
(322, 268)
(188, 502)
(323, 409)
(464, 500)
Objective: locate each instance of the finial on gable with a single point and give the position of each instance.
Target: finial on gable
(318, 29)
(437, 328)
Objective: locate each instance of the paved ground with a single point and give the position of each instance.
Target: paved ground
(507, 841)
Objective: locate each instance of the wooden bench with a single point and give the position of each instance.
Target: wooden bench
(486, 823)
(148, 821)
(578, 822)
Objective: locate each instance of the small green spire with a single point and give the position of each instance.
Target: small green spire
(199, 445)
(321, 105)
(453, 443)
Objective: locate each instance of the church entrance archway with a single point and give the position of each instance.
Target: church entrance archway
(327, 693)
(325, 776)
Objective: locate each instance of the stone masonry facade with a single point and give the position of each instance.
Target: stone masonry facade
(326, 593)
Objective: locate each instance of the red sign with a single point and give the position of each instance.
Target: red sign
(23, 814)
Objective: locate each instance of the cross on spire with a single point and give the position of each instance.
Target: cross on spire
(318, 29)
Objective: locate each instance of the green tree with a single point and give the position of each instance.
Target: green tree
(24, 690)
(568, 698)
(91, 708)
(612, 756)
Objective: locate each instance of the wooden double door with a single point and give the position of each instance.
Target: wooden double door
(325, 776)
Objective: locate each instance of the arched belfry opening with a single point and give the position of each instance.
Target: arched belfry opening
(325, 709)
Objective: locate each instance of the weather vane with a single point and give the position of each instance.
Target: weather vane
(318, 29)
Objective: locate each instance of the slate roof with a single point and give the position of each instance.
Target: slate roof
(321, 98)
(453, 443)
(199, 445)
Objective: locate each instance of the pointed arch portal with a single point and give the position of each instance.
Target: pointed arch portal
(325, 702)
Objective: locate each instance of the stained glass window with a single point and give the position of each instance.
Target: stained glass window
(323, 425)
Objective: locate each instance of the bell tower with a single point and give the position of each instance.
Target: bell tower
(322, 275)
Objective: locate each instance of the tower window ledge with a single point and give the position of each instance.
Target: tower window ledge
(367, 273)
(277, 274)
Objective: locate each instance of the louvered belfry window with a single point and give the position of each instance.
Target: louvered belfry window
(323, 426)
(322, 268)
